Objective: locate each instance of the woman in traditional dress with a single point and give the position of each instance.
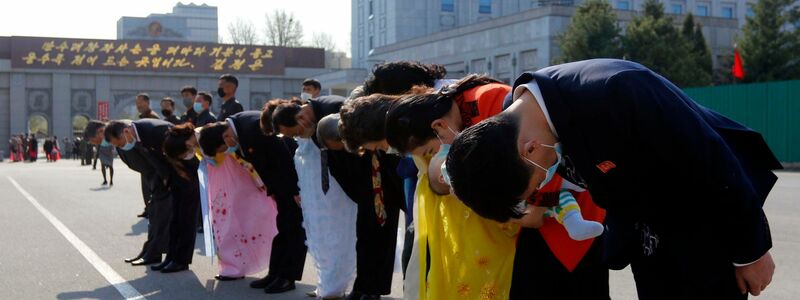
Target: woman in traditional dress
(243, 217)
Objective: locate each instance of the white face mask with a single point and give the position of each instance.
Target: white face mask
(305, 96)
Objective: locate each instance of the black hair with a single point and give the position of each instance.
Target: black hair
(312, 82)
(408, 122)
(114, 128)
(266, 121)
(363, 120)
(169, 99)
(175, 146)
(395, 78)
(207, 96)
(284, 115)
(91, 129)
(145, 96)
(486, 170)
(189, 89)
(211, 137)
(230, 78)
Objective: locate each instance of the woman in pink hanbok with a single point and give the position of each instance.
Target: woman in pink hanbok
(242, 217)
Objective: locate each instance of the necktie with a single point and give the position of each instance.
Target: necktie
(323, 154)
(380, 210)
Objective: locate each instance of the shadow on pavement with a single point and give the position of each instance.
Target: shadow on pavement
(138, 228)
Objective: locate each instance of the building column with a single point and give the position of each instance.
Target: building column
(17, 109)
(243, 92)
(62, 106)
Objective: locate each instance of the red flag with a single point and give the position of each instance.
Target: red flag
(738, 67)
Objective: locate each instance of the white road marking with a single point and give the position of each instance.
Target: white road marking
(119, 283)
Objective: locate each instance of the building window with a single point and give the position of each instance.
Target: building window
(623, 5)
(371, 45)
(727, 12)
(370, 8)
(702, 10)
(485, 6)
(677, 9)
(448, 5)
(750, 12)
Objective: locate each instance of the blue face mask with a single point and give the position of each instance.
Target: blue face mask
(232, 150)
(552, 169)
(443, 150)
(128, 145)
(197, 107)
(104, 143)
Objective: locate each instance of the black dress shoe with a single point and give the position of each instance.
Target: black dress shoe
(174, 267)
(226, 278)
(160, 266)
(263, 282)
(370, 297)
(354, 296)
(142, 215)
(135, 258)
(279, 285)
(143, 262)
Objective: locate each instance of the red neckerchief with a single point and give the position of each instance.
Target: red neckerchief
(377, 188)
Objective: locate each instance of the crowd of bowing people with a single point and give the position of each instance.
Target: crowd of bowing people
(525, 191)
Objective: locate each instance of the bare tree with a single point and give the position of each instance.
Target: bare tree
(323, 40)
(243, 32)
(283, 29)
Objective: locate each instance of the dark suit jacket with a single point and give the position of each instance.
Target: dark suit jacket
(147, 157)
(205, 117)
(354, 174)
(229, 108)
(671, 156)
(172, 119)
(271, 156)
(189, 116)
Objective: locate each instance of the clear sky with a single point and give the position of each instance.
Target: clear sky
(98, 19)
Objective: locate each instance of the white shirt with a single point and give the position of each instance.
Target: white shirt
(136, 133)
(230, 123)
(533, 87)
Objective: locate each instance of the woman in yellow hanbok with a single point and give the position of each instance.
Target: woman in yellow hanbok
(470, 257)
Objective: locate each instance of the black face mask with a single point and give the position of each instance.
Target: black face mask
(221, 92)
(166, 113)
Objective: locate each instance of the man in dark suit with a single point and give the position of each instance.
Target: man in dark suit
(226, 90)
(188, 93)
(272, 158)
(168, 110)
(683, 186)
(139, 144)
(202, 105)
(143, 107)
